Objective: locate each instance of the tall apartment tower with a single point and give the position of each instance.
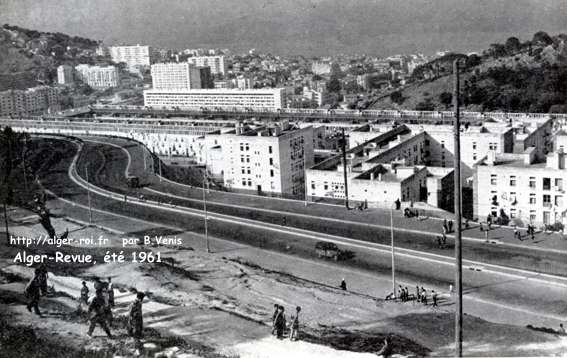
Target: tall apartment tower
(175, 76)
(217, 64)
(64, 75)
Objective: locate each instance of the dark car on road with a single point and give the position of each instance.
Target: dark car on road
(327, 249)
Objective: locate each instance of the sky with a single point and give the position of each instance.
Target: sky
(284, 27)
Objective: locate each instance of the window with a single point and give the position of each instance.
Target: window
(312, 185)
(247, 159)
(474, 156)
(532, 199)
(512, 213)
(326, 186)
(248, 170)
(270, 149)
(241, 147)
(558, 184)
(271, 172)
(532, 216)
(512, 180)
(559, 200)
(473, 145)
(546, 183)
(271, 161)
(242, 159)
(493, 179)
(249, 182)
(247, 146)
(243, 182)
(532, 182)
(546, 200)
(442, 144)
(243, 170)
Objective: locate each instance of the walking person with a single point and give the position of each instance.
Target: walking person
(450, 226)
(489, 222)
(135, 319)
(34, 289)
(417, 294)
(423, 296)
(280, 323)
(97, 314)
(110, 289)
(84, 293)
(294, 331)
(406, 293)
(434, 298)
(343, 285)
(516, 233)
(274, 316)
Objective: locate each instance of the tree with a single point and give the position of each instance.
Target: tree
(446, 98)
(397, 97)
(473, 60)
(512, 45)
(541, 38)
(11, 149)
(334, 85)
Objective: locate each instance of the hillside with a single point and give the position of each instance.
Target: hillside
(30, 58)
(513, 77)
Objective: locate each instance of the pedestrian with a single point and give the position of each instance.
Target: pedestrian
(532, 229)
(516, 236)
(561, 328)
(110, 289)
(445, 229)
(398, 204)
(98, 284)
(450, 226)
(445, 224)
(400, 293)
(274, 316)
(294, 331)
(417, 294)
(434, 298)
(33, 291)
(386, 350)
(443, 241)
(280, 323)
(135, 319)
(481, 227)
(97, 314)
(406, 293)
(84, 293)
(343, 285)
(489, 222)
(423, 296)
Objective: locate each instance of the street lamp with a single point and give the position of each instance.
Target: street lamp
(393, 250)
(205, 210)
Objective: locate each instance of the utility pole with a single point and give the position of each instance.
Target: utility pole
(393, 252)
(458, 217)
(305, 173)
(345, 168)
(89, 194)
(205, 209)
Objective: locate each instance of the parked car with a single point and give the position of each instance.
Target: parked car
(327, 249)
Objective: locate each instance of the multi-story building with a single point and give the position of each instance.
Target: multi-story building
(33, 101)
(518, 187)
(206, 77)
(175, 76)
(65, 75)
(269, 158)
(321, 68)
(244, 83)
(97, 76)
(132, 56)
(217, 64)
(318, 97)
(363, 81)
(267, 98)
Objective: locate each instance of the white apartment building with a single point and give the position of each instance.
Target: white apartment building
(33, 101)
(319, 97)
(521, 188)
(97, 76)
(244, 83)
(268, 98)
(321, 68)
(175, 76)
(65, 75)
(132, 56)
(268, 159)
(218, 64)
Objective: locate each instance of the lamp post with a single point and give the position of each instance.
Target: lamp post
(393, 250)
(205, 210)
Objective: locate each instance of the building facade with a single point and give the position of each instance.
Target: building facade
(269, 98)
(218, 64)
(65, 75)
(521, 189)
(33, 101)
(175, 76)
(97, 76)
(132, 56)
(269, 159)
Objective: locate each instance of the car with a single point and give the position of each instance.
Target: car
(327, 249)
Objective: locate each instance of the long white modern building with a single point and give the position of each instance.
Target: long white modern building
(97, 76)
(267, 98)
(175, 76)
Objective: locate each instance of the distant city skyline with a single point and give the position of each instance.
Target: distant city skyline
(290, 27)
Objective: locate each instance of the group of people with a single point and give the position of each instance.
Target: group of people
(279, 323)
(99, 307)
(420, 295)
(530, 231)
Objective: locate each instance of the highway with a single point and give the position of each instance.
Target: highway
(499, 293)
